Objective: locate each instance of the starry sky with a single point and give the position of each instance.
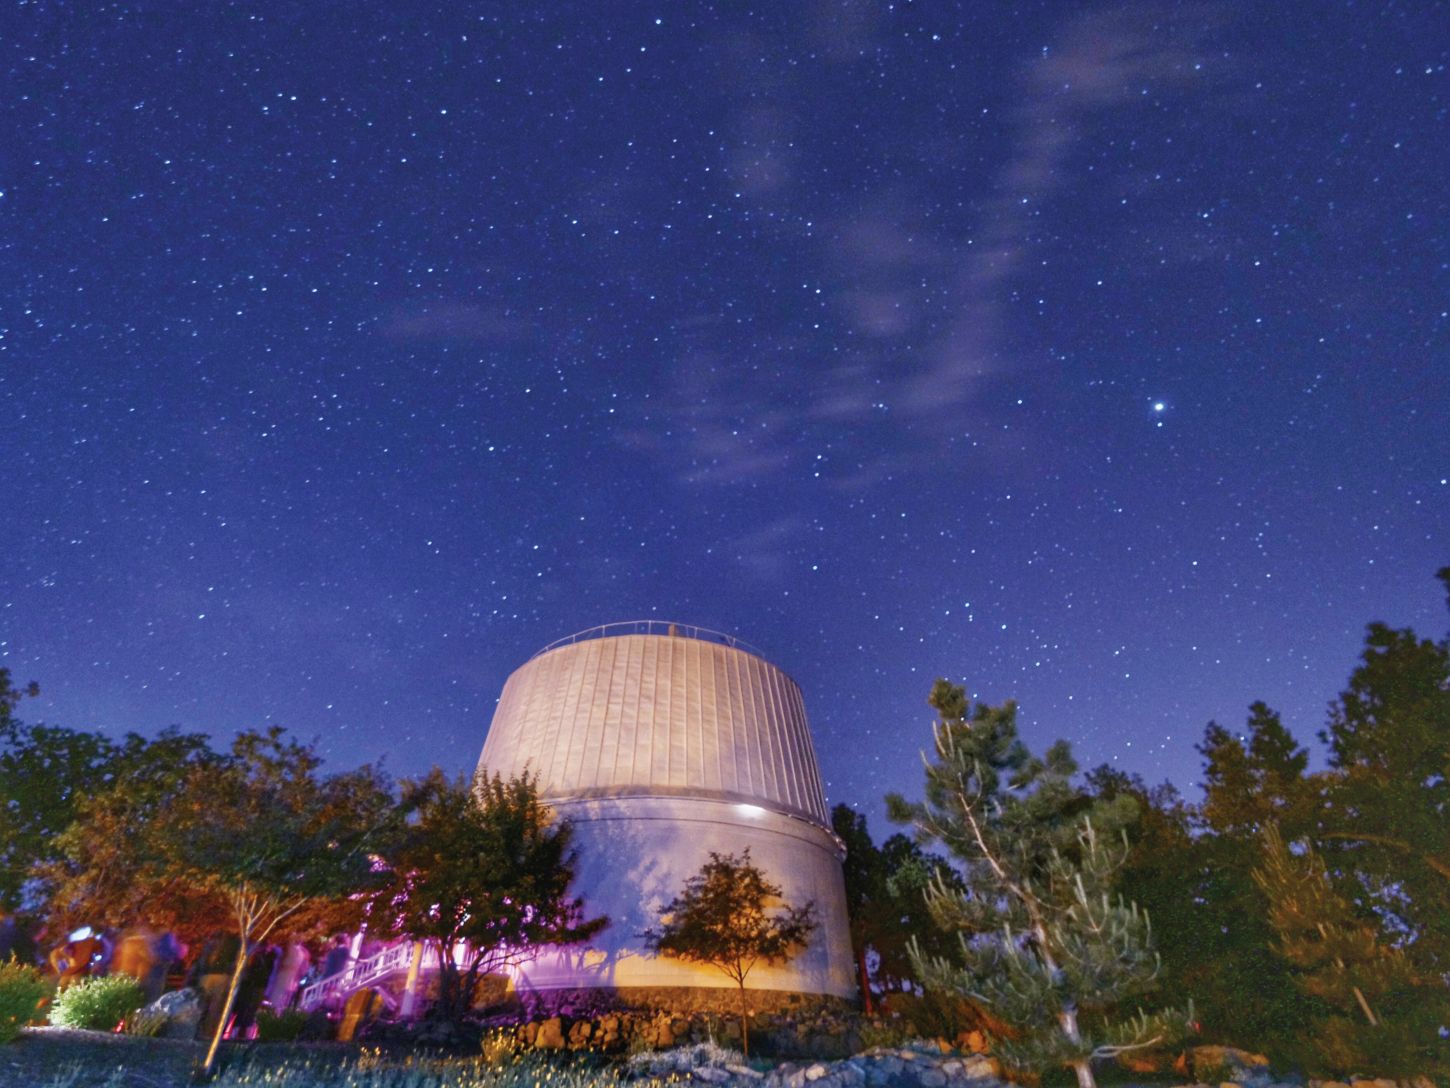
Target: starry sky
(1090, 355)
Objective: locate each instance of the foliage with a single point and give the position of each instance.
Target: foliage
(44, 770)
(1221, 944)
(937, 1014)
(97, 1004)
(1042, 942)
(1387, 800)
(886, 900)
(729, 916)
(1361, 993)
(264, 834)
(487, 863)
(280, 1027)
(102, 871)
(22, 991)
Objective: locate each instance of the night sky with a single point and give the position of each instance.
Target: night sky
(1094, 356)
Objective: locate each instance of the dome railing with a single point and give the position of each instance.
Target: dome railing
(651, 627)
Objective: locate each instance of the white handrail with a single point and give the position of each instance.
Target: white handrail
(652, 627)
(363, 973)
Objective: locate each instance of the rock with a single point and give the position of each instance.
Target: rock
(981, 1067)
(933, 1078)
(1207, 1059)
(550, 1035)
(710, 1074)
(815, 1071)
(744, 1071)
(579, 1034)
(181, 1010)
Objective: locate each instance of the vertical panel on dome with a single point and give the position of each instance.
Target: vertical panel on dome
(711, 746)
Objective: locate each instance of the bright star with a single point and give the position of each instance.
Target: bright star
(1158, 406)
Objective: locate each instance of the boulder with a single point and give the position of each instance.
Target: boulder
(181, 1011)
(550, 1035)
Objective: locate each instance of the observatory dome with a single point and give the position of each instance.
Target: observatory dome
(662, 743)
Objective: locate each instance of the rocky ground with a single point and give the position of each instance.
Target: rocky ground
(46, 1057)
(63, 1058)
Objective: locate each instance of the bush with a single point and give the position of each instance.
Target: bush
(280, 1027)
(934, 1015)
(22, 989)
(97, 1004)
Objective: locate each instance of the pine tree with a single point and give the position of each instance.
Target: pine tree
(1043, 943)
(1243, 992)
(1388, 795)
(1353, 983)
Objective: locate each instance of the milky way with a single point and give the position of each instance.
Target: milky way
(1093, 356)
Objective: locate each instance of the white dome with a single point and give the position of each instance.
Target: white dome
(661, 744)
(657, 714)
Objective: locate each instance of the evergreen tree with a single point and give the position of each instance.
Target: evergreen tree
(1388, 797)
(1042, 942)
(1360, 994)
(1242, 991)
(886, 901)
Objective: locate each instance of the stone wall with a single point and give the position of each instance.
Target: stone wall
(679, 1000)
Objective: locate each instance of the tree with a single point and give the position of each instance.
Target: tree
(1387, 798)
(267, 836)
(102, 872)
(482, 875)
(730, 917)
(1252, 781)
(1196, 879)
(886, 900)
(1042, 943)
(44, 772)
(1360, 994)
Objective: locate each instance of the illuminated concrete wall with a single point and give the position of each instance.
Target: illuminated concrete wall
(660, 749)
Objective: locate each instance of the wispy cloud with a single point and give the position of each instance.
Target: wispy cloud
(1103, 61)
(925, 303)
(451, 320)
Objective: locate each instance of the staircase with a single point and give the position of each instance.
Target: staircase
(366, 974)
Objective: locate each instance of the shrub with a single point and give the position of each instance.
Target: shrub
(97, 1004)
(22, 989)
(935, 1015)
(280, 1027)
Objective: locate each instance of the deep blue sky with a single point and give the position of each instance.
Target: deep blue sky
(1096, 356)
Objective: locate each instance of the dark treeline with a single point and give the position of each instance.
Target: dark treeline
(1306, 915)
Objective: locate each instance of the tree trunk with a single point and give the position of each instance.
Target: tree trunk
(1083, 1067)
(863, 979)
(221, 1027)
(448, 984)
(744, 1022)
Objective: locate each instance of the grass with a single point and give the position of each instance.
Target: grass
(371, 1069)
